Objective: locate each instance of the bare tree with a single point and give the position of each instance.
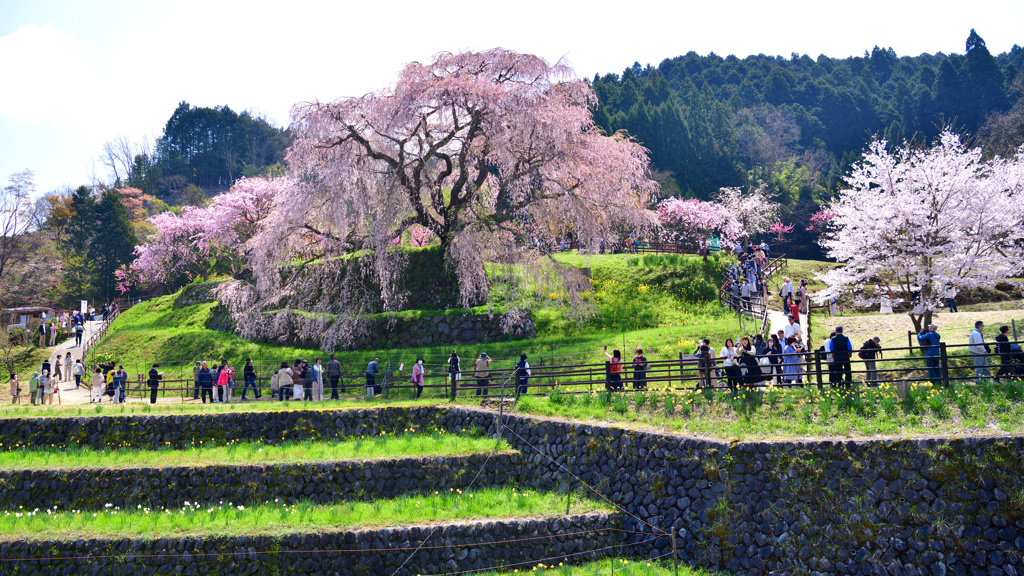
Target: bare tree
(118, 156)
(15, 205)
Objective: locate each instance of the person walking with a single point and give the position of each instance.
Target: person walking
(640, 366)
(523, 374)
(929, 340)
(57, 363)
(840, 347)
(334, 376)
(869, 352)
(979, 351)
(318, 381)
(1006, 367)
(15, 389)
(372, 369)
(249, 379)
(417, 376)
(79, 331)
(482, 372)
(99, 381)
(155, 377)
(205, 381)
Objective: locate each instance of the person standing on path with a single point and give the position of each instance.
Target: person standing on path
(868, 352)
(417, 376)
(195, 378)
(78, 371)
(42, 335)
(786, 292)
(929, 340)
(58, 362)
(615, 369)
(334, 376)
(1006, 367)
(979, 351)
(98, 383)
(371, 375)
(840, 347)
(308, 381)
(482, 373)
(318, 381)
(15, 390)
(640, 370)
(68, 365)
(34, 389)
(523, 374)
(48, 387)
(205, 380)
(454, 371)
(53, 333)
(154, 382)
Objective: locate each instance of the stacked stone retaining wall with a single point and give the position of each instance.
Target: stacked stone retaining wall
(899, 507)
(450, 548)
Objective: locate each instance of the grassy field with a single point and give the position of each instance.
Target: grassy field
(408, 445)
(778, 413)
(607, 567)
(659, 308)
(276, 518)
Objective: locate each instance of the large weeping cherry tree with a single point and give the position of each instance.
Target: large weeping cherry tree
(494, 152)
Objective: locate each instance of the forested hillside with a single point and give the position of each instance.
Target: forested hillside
(796, 124)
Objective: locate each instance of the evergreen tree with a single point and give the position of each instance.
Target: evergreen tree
(113, 243)
(985, 81)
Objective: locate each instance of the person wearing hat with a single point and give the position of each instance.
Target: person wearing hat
(523, 374)
(33, 388)
(417, 375)
(929, 340)
(483, 373)
(154, 382)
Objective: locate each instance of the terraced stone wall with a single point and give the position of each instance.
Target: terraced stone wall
(321, 482)
(909, 507)
(450, 548)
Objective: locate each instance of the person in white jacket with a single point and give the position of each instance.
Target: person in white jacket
(979, 351)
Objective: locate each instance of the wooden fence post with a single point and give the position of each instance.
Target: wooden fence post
(1013, 324)
(817, 367)
(682, 383)
(944, 363)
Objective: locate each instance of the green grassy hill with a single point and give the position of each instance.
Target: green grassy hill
(663, 306)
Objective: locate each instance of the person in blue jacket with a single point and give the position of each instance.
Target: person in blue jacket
(929, 340)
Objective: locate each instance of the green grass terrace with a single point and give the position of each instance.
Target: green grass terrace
(223, 518)
(408, 445)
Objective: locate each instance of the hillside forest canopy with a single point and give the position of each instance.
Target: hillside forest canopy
(791, 129)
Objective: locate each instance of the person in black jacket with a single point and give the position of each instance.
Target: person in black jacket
(868, 352)
(249, 376)
(1003, 348)
(754, 376)
(154, 382)
(205, 382)
(334, 375)
(840, 347)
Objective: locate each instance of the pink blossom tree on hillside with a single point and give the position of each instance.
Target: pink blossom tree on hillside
(474, 147)
(691, 220)
(201, 241)
(932, 217)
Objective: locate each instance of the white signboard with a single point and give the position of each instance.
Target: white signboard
(85, 306)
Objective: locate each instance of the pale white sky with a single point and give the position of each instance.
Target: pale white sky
(77, 74)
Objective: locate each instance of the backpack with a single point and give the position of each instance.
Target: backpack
(861, 354)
